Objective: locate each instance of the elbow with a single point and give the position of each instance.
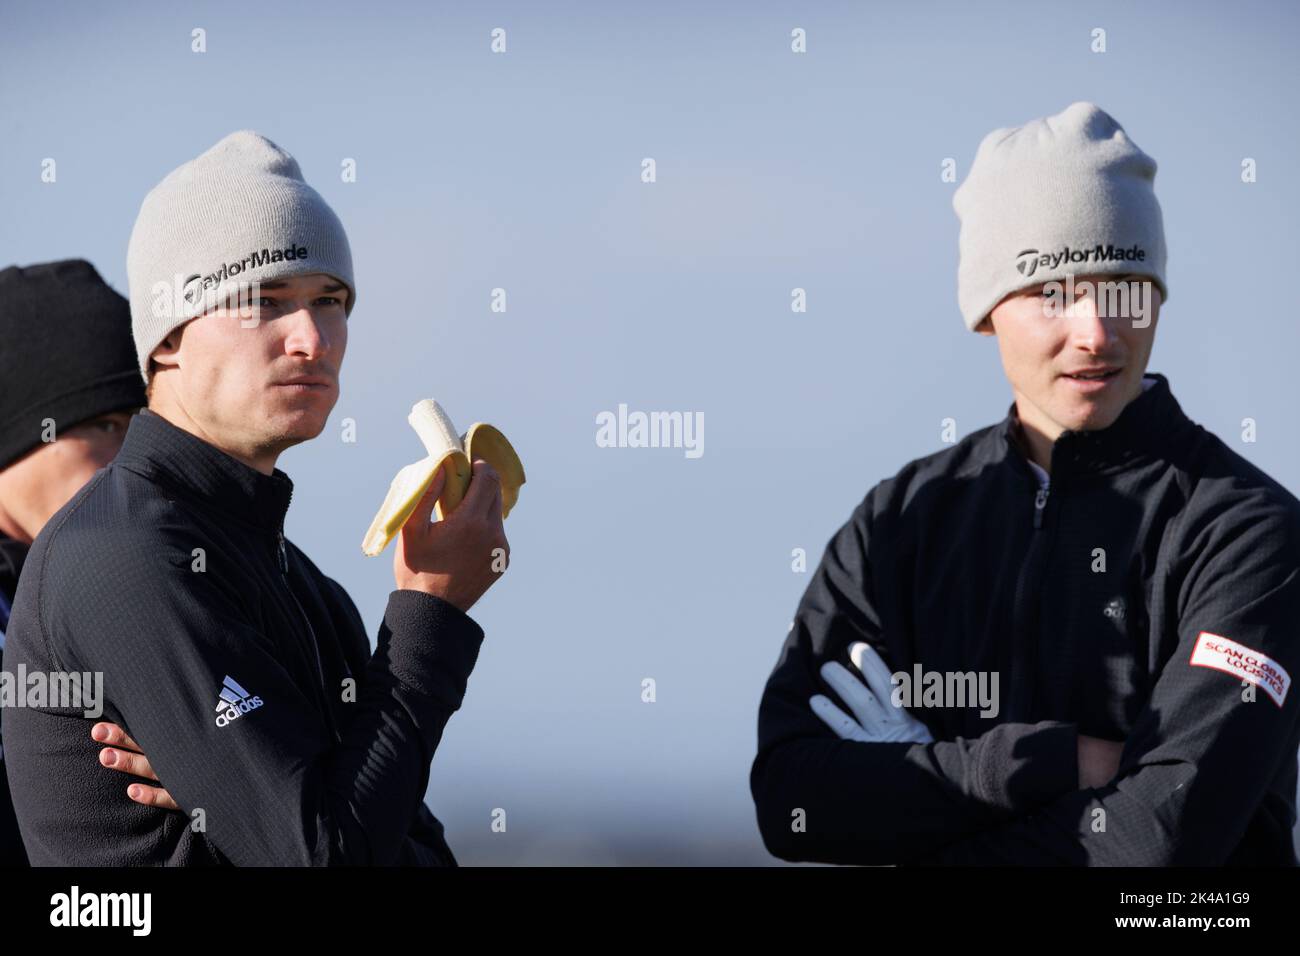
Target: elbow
(782, 843)
(782, 819)
(803, 817)
(777, 828)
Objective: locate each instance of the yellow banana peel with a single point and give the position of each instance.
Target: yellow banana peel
(453, 454)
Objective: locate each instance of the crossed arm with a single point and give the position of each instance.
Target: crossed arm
(1197, 765)
(876, 718)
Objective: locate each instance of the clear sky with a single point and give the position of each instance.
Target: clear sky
(775, 171)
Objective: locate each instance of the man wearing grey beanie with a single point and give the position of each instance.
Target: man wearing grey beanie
(1076, 627)
(171, 574)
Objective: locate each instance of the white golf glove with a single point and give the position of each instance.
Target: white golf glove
(877, 719)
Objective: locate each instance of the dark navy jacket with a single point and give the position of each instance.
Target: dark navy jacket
(1150, 595)
(12, 555)
(243, 672)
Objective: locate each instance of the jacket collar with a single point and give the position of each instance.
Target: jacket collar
(1149, 426)
(185, 463)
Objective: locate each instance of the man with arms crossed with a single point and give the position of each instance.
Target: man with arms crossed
(1132, 582)
(71, 385)
(242, 670)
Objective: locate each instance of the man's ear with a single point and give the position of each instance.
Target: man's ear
(166, 354)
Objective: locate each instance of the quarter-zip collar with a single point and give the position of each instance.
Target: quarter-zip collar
(1146, 428)
(159, 450)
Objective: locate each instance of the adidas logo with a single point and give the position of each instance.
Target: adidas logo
(234, 702)
(1116, 611)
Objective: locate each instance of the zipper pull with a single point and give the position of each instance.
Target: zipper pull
(1040, 502)
(284, 558)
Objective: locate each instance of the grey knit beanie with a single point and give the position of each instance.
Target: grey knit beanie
(240, 212)
(1070, 193)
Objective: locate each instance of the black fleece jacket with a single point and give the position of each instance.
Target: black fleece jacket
(243, 672)
(1150, 595)
(12, 555)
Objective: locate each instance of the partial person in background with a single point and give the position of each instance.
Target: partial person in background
(71, 385)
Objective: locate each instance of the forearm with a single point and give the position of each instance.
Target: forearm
(1185, 799)
(840, 801)
(377, 776)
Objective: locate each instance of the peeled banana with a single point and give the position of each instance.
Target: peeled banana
(452, 453)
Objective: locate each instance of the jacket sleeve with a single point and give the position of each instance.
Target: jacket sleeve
(821, 798)
(1202, 753)
(426, 844)
(274, 787)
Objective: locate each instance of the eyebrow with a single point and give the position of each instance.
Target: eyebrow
(276, 284)
(1105, 277)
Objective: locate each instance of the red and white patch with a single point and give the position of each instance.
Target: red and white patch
(1225, 654)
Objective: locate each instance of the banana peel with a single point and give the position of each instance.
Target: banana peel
(452, 453)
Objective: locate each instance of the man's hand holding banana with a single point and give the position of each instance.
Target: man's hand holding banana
(472, 481)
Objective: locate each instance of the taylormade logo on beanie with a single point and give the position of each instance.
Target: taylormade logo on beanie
(239, 213)
(198, 285)
(1028, 260)
(1068, 194)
